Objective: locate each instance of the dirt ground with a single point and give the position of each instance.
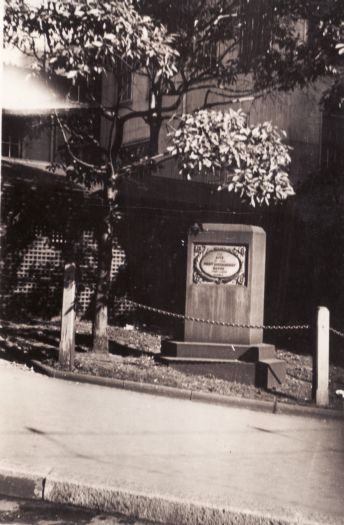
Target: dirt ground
(132, 357)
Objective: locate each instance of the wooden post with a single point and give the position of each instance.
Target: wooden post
(67, 338)
(321, 358)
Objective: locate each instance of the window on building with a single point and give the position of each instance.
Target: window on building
(135, 151)
(85, 91)
(11, 145)
(256, 30)
(332, 147)
(210, 54)
(125, 75)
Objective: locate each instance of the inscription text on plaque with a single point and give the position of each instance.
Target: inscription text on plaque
(221, 264)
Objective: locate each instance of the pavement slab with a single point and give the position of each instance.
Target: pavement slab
(167, 459)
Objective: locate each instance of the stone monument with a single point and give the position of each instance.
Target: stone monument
(225, 284)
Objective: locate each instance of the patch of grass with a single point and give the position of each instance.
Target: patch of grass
(132, 357)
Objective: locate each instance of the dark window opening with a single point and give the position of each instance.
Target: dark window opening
(125, 82)
(210, 54)
(85, 135)
(86, 91)
(256, 30)
(11, 145)
(134, 152)
(332, 147)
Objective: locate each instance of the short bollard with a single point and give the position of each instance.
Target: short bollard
(67, 338)
(321, 358)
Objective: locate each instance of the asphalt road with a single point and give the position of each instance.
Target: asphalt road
(225, 457)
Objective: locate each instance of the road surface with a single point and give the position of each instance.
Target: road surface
(289, 466)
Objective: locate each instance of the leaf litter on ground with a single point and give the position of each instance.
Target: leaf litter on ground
(132, 357)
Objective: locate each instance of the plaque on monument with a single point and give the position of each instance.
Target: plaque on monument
(220, 264)
(225, 283)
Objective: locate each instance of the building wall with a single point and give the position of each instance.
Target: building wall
(298, 113)
(136, 129)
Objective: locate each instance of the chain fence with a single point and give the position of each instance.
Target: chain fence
(212, 322)
(337, 332)
(221, 323)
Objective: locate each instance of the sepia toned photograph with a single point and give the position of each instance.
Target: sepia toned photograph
(172, 262)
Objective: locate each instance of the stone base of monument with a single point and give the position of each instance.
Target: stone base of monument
(254, 364)
(270, 373)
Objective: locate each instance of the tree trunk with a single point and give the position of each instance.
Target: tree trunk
(155, 126)
(154, 120)
(105, 241)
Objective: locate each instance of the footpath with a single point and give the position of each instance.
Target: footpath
(165, 459)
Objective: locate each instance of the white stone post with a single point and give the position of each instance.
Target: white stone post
(67, 337)
(321, 357)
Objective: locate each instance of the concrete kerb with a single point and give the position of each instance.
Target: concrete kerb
(204, 397)
(157, 508)
(17, 484)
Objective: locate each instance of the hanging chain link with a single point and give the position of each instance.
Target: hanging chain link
(217, 323)
(220, 323)
(336, 332)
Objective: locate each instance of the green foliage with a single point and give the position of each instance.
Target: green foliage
(83, 39)
(253, 159)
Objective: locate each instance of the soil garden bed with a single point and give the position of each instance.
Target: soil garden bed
(131, 357)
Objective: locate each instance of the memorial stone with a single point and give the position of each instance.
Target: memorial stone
(225, 284)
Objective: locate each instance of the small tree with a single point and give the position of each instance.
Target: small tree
(84, 41)
(80, 42)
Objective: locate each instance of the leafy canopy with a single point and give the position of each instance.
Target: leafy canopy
(280, 43)
(253, 159)
(84, 38)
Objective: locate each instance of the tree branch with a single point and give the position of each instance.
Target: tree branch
(229, 98)
(157, 159)
(98, 169)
